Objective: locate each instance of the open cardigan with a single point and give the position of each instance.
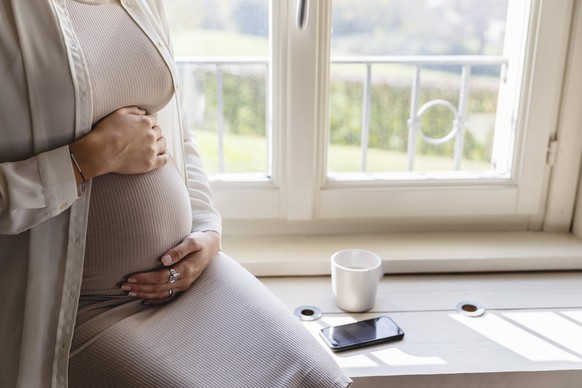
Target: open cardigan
(45, 104)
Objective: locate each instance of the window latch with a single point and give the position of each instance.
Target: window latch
(302, 14)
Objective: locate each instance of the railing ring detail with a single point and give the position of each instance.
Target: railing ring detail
(426, 107)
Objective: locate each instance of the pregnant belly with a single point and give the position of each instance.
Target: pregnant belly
(133, 221)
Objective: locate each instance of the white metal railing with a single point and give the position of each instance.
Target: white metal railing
(219, 63)
(414, 122)
(457, 131)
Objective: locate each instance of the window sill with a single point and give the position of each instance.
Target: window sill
(445, 252)
(529, 336)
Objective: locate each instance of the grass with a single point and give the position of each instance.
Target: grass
(246, 154)
(243, 154)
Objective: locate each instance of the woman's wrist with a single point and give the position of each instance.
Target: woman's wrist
(79, 176)
(84, 157)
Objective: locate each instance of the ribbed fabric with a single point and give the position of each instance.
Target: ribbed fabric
(133, 219)
(227, 330)
(125, 67)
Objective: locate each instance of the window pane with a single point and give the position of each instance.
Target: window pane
(223, 53)
(415, 85)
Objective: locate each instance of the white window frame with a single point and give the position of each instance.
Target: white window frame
(299, 192)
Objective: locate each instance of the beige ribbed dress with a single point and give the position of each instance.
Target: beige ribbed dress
(227, 330)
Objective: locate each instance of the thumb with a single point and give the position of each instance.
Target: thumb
(175, 254)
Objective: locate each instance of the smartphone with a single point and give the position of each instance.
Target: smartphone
(362, 333)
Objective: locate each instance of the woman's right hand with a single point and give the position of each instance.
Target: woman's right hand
(127, 141)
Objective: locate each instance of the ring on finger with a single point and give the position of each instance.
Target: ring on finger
(173, 275)
(171, 293)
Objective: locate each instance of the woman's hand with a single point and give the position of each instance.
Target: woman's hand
(127, 141)
(190, 258)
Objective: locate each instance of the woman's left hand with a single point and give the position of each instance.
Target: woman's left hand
(189, 259)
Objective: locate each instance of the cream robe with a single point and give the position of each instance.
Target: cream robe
(45, 103)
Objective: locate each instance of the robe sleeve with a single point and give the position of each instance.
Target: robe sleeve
(35, 189)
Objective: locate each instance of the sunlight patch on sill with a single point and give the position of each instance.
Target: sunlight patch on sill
(550, 325)
(575, 315)
(520, 340)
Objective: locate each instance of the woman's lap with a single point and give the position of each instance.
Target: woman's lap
(227, 330)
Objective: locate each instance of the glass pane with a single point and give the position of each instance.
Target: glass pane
(223, 54)
(415, 85)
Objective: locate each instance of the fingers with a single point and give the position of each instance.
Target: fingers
(151, 293)
(138, 111)
(154, 285)
(153, 277)
(161, 157)
(161, 146)
(150, 120)
(160, 140)
(157, 131)
(187, 246)
(154, 292)
(161, 160)
(139, 145)
(190, 258)
(133, 110)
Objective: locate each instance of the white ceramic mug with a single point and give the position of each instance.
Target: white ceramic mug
(355, 274)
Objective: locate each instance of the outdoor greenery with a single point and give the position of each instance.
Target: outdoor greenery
(244, 112)
(247, 154)
(390, 113)
(372, 27)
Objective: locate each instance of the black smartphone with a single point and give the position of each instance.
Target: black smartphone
(362, 333)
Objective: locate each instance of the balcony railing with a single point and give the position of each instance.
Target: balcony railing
(219, 63)
(459, 110)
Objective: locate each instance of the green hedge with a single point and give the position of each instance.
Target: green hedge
(244, 112)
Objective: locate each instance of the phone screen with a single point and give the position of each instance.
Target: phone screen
(362, 333)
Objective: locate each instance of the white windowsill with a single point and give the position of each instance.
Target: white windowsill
(441, 348)
(530, 335)
(444, 252)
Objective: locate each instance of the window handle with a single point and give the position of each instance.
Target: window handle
(302, 13)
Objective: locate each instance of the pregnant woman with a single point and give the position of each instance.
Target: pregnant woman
(109, 242)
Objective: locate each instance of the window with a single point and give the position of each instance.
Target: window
(414, 92)
(387, 110)
(224, 62)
